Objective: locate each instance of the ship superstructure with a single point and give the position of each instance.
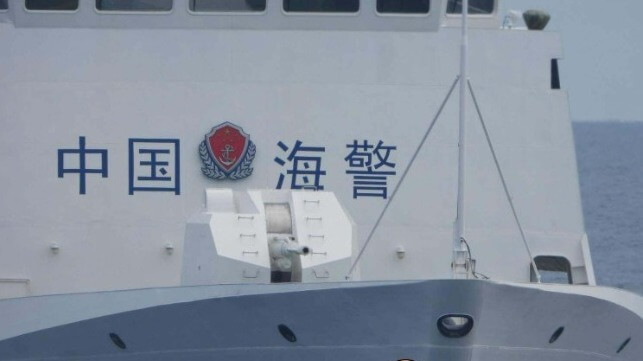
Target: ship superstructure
(347, 94)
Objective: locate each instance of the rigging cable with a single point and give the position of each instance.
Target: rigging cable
(504, 184)
(404, 174)
(475, 274)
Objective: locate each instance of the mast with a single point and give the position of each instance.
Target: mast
(459, 265)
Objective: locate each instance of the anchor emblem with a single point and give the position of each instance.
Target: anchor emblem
(227, 153)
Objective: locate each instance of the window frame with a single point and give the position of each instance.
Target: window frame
(219, 13)
(320, 13)
(560, 264)
(456, 15)
(134, 12)
(45, 11)
(411, 15)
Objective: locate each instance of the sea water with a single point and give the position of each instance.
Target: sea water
(610, 162)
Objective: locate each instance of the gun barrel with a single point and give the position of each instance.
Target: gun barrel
(280, 248)
(297, 250)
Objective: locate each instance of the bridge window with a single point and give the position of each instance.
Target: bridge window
(51, 5)
(555, 75)
(553, 269)
(475, 6)
(134, 5)
(227, 5)
(321, 6)
(3, 5)
(403, 6)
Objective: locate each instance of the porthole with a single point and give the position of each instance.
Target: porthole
(624, 344)
(455, 326)
(556, 334)
(287, 333)
(118, 341)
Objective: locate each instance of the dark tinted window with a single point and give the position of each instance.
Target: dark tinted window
(322, 6)
(61, 5)
(555, 76)
(227, 5)
(552, 269)
(134, 5)
(475, 6)
(4, 5)
(403, 6)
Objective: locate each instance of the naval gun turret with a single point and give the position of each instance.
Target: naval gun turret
(268, 236)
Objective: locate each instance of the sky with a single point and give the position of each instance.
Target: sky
(602, 69)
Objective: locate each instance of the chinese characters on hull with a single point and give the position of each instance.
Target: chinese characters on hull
(304, 167)
(370, 167)
(82, 152)
(154, 165)
(227, 154)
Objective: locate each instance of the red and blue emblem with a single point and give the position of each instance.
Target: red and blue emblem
(227, 153)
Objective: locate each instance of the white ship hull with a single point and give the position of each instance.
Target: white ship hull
(341, 321)
(340, 102)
